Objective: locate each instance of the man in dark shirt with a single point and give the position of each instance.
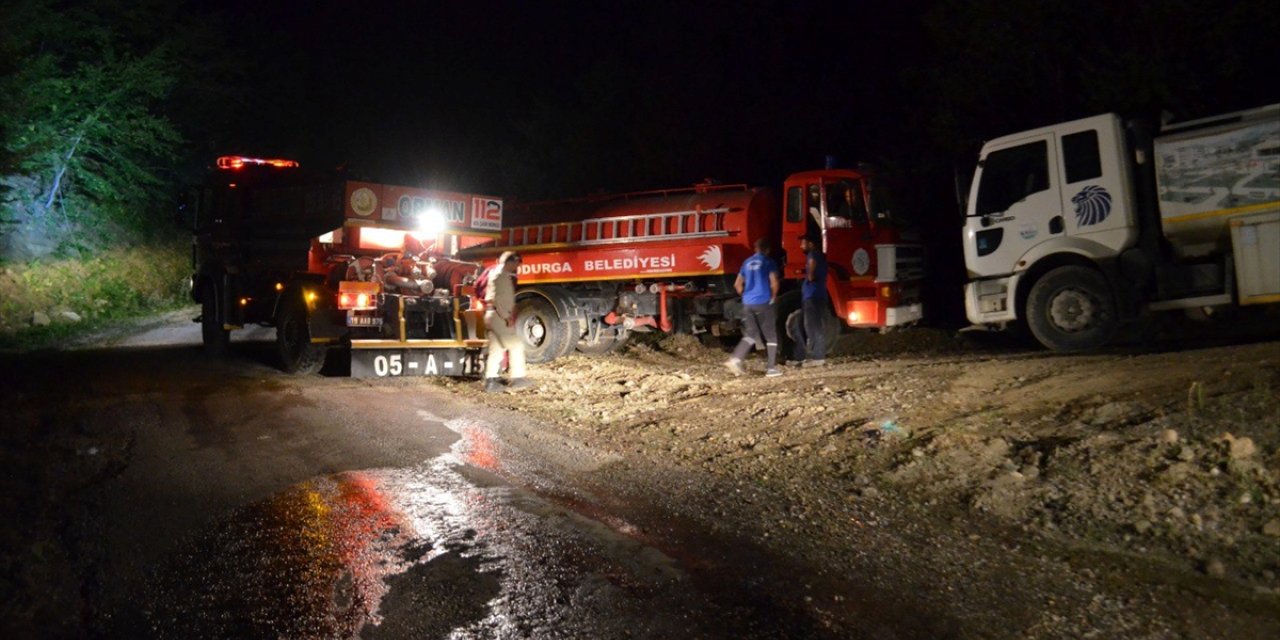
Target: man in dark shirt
(811, 348)
(758, 284)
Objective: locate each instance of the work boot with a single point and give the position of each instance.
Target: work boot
(493, 385)
(520, 383)
(734, 366)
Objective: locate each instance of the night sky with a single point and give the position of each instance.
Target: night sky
(552, 99)
(556, 99)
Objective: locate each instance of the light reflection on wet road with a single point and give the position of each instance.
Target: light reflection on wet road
(445, 549)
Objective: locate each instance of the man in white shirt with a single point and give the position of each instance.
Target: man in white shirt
(500, 322)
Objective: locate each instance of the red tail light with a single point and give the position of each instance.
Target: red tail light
(357, 301)
(359, 296)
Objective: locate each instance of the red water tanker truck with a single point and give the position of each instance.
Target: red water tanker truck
(597, 269)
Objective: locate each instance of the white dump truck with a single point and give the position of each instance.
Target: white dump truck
(1078, 227)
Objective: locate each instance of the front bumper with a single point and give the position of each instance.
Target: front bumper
(991, 301)
(871, 313)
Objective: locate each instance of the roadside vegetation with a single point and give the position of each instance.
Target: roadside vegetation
(107, 112)
(45, 303)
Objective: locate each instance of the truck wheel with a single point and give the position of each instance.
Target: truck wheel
(788, 304)
(545, 336)
(215, 338)
(830, 329)
(293, 340)
(608, 340)
(1072, 309)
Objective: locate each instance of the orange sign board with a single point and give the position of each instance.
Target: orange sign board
(409, 208)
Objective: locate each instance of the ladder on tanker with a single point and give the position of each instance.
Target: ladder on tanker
(650, 227)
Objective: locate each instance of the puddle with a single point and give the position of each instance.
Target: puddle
(445, 549)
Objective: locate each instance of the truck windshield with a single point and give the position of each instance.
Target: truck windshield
(881, 203)
(1010, 175)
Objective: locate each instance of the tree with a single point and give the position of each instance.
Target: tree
(84, 134)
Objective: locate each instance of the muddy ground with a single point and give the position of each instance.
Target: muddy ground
(936, 485)
(1135, 491)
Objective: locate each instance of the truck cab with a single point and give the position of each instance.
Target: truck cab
(874, 261)
(1044, 199)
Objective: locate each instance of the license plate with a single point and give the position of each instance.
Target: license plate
(390, 363)
(354, 320)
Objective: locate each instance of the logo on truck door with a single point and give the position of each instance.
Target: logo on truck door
(1093, 205)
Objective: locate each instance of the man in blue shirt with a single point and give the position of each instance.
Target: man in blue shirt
(758, 284)
(811, 347)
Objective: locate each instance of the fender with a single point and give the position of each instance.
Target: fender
(1079, 251)
(299, 285)
(1088, 249)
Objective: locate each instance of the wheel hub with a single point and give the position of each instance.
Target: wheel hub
(535, 331)
(1073, 310)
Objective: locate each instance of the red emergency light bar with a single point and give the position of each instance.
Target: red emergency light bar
(238, 162)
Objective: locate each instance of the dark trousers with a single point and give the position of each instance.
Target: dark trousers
(812, 341)
(761, 327)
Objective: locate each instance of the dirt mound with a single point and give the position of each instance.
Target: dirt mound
(1170, 456)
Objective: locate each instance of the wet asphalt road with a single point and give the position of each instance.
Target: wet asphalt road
(247, 503)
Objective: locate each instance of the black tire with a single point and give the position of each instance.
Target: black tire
(1072, 308)
(216, 339)
(545, 337)
(608, 340)
(831, 327)
(787, 304)
(293, 340)
(795, 321)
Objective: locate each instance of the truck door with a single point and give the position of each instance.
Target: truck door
(1094, 197)
(1018, 204)
(794, 223)
(847, 239)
